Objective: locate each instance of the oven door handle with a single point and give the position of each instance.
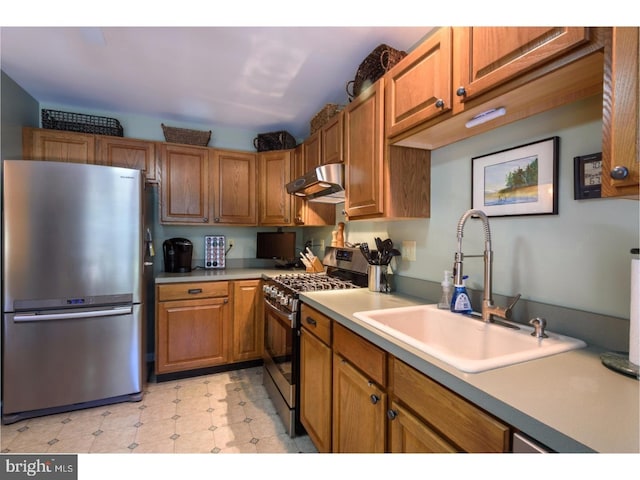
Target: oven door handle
(289, 316)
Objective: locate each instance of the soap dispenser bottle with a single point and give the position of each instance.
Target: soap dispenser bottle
(447, 287)
(460, 302)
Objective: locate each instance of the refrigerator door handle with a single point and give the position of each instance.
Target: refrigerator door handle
(36, 317)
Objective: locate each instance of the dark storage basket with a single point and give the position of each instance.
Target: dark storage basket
(377, 63)
(78, 122)
(329, 111)
(186, 136)
(282, 140)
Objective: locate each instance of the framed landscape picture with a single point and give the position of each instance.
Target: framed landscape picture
(517, 181)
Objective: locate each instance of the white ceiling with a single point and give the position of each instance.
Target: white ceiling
(253, 78)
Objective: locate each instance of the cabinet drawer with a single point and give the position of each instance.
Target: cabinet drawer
(466, 425)
(361, 353)
(316, 323)
(185, 291)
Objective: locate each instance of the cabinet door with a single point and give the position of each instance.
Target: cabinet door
(275, 203)
(620, 121)
(184, 187)
(363, 130)
(485, 57)
(358, 411)
(306, 213)
(233, 184)
(191, 334)
(315, 390)
(419, 86)
(312, 153)
(57, 146)
(127, 153)
(463, 423)
(331, 136)
(248, 321)
(408, 434)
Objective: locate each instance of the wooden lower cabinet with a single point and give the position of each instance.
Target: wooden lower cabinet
(191, 334)
(316, 377)
(248, 321)
(359, 398)
(446, 420)
(409, 434)
(207, 324)
(359, 411)
(368, 401)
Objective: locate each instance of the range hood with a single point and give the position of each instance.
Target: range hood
(323, 184)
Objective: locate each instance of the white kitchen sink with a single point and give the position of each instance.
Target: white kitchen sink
(466, 343)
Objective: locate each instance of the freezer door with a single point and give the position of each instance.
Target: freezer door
(54, 362)
(73, 235)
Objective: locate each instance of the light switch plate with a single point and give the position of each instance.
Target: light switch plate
(409, 250)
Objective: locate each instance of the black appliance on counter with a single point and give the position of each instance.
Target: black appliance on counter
(344, 268)
(177, 255)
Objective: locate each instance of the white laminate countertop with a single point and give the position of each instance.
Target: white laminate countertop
(214, 275)
(569, 401)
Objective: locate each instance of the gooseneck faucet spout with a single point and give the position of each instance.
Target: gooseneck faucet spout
(488, 307)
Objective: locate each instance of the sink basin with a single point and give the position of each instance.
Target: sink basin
(466, 343)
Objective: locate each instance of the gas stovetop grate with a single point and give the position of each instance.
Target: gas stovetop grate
(305, 282)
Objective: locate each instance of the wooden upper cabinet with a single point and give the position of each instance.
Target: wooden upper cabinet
(621, 138)
(485, 57)
(363, 144)
(57, 145)
(184, 191)
(127, 153)
(233, 187)
(419, 87)
(331, 136)
(312, 153)
(275, 204)
(309, 213)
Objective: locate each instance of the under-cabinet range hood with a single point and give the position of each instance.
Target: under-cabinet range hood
(323, 184)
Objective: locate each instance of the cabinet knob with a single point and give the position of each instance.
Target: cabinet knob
(461, 92)
(619, 172)
(286, 220)
(216, 219)
(392, 414)
(205, 220)
(440, 103)
(374, 398)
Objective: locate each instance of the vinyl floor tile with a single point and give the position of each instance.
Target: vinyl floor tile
(229, 412)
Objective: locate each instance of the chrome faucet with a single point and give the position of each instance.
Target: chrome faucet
(488, 307)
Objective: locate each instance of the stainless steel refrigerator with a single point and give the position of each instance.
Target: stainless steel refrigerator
(73, 308)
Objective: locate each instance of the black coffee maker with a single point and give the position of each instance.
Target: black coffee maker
(177, 255)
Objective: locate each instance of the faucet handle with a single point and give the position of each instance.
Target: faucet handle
(508, 310)
(539, 324)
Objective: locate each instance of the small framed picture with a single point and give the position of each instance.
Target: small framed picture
(587, 173)
(517, 181)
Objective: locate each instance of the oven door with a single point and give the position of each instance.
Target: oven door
(281, 350)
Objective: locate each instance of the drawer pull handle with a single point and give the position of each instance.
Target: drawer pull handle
(311, 321)
(194, 291)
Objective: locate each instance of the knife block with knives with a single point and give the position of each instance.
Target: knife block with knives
(311, 262)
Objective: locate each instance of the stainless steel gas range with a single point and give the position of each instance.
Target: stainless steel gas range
(343, 268)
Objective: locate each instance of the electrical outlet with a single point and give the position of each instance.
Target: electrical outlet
(230, 242)
(409, 250)
(322, 247)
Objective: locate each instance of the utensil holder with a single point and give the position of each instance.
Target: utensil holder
(379, 278)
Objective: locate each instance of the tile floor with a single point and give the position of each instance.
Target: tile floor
(222, 413)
